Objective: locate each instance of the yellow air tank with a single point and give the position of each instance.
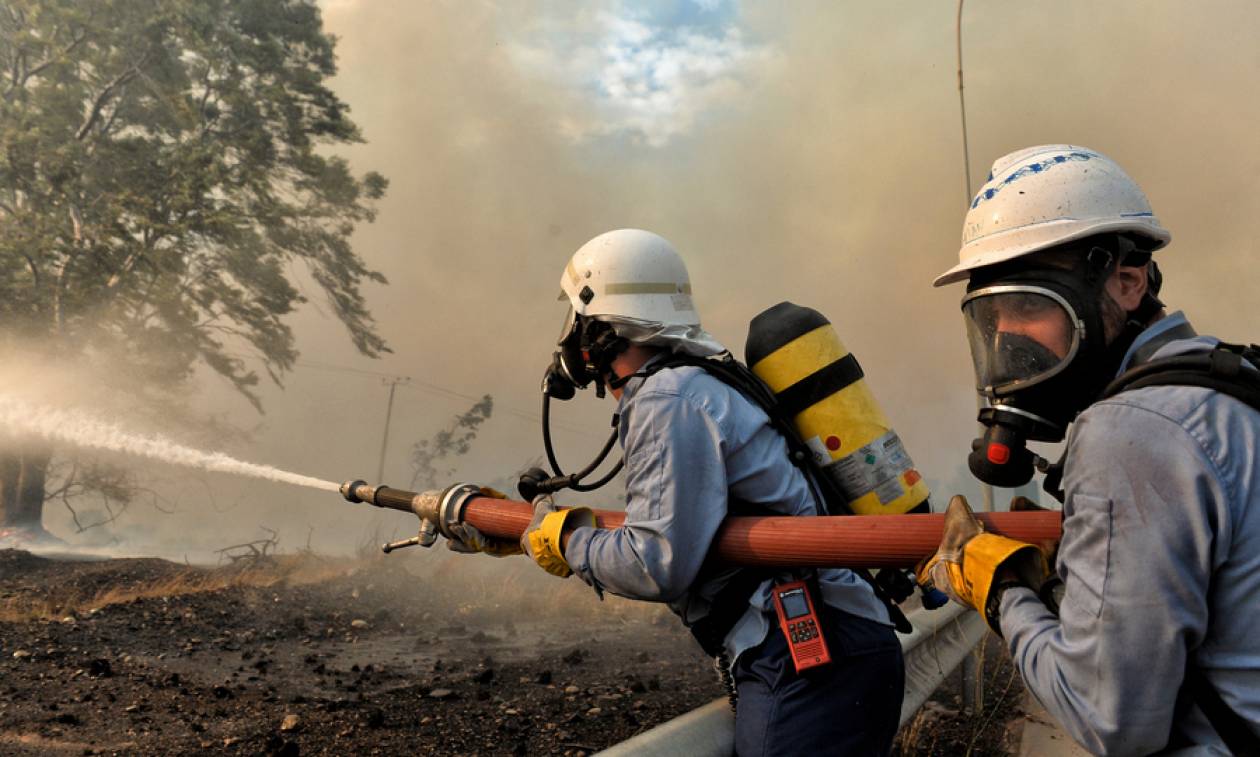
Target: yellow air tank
(820, 386)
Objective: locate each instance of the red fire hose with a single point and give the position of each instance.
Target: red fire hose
(842, 541)
(846, 541)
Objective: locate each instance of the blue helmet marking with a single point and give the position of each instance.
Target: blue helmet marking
(1032, 168)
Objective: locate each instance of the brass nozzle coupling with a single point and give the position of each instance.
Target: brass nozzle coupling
(356, 491)
(437, 510)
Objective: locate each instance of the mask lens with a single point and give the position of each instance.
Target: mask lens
(1018, 336)
(567, 329)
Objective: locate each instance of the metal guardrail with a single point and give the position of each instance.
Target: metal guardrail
(939, 642)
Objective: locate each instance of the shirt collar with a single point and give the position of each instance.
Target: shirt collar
(632, 386)
(1163, 331)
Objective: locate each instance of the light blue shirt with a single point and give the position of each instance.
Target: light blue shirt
(689, 440)
(1162, 499)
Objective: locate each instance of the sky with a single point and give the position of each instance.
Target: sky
(806, 151)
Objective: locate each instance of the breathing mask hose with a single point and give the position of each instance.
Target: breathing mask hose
(561, 480)
(579, 487)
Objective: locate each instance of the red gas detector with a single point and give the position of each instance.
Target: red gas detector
(801, 625)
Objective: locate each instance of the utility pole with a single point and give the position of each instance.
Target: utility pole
(393, 382)
(972, 664)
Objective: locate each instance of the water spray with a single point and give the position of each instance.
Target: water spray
(83, 430)
(883, 541)
(842, 541)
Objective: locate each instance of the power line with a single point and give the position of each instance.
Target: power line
(425, 386)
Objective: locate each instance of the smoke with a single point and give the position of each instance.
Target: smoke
(802, 151)
(807, 151)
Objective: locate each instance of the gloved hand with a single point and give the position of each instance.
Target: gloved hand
(1051, 591)
(973, 567)
(542, 539)
(1025, 505)
(466, 539)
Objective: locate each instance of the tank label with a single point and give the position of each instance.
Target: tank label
(822, 456)
(876, 467)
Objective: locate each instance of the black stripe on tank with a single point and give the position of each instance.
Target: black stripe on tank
(819, 385)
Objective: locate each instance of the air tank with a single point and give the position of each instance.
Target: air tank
(820, 386)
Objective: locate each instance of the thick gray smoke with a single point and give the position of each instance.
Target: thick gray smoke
(802, 151)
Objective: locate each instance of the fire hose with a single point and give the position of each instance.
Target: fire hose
(842, 541)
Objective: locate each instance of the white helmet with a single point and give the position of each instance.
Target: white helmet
(637, 281)
(1043, 196)
(630, 273)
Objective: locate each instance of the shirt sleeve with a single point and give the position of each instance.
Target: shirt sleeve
(676, 489)
(1143, 502)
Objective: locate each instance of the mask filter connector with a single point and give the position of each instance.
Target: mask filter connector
(1001, 457)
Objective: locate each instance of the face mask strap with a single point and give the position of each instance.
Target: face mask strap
(600, 345)
(1133, 256)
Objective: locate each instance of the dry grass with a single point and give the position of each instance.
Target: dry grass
(474, 590)
(59, 603)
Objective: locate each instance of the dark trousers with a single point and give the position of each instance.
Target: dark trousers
(848, 707)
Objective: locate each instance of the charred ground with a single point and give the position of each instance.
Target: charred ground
(305, 655)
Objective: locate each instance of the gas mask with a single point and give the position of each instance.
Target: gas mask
(584, 355)
(1040, 353)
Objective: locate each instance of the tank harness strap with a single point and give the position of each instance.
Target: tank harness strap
(1228, 724)
(731, 601)
(1230, 369)
(725, 368)
(728, 607)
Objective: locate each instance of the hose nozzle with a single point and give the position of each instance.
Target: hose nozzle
(437, 510)
(351, 491)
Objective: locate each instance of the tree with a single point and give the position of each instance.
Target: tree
(453, 441)
(163, 166)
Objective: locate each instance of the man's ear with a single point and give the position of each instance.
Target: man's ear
(1127, 286)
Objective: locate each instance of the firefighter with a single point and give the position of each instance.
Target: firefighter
(696, 450)
(1143, 638)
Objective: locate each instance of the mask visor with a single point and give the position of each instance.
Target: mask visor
(566, 330)
(1019, 336)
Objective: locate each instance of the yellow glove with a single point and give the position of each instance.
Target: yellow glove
(542, 540)
(466, 539)
(970, 561)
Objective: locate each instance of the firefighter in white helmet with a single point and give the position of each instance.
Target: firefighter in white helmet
(1142, 637)
(696, 449)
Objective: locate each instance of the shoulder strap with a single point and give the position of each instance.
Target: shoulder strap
(1228, 368)
(1229, 725)
(725, 368)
